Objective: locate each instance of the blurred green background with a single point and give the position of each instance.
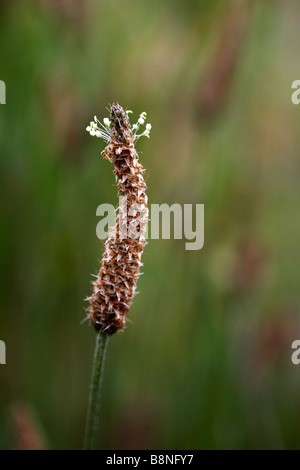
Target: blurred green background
(206, 363)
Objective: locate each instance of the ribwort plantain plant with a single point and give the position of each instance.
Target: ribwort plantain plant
(115, 285)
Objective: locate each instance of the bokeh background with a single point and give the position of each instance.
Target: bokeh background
(206, 361)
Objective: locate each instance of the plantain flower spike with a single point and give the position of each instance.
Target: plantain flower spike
(115, 285)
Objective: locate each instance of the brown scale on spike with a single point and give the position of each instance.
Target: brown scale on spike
(115, 286)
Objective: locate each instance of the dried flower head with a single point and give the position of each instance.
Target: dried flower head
(115, 285)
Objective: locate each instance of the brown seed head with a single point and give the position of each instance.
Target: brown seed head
(115, 286)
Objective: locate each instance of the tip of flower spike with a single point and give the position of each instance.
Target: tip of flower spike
(118, 126)
(121, 129)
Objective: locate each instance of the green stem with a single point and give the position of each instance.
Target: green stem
(95, 391)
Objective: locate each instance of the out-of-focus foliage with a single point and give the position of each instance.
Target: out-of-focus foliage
(205, 362)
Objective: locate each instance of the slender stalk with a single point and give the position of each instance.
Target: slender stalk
(95, 391)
